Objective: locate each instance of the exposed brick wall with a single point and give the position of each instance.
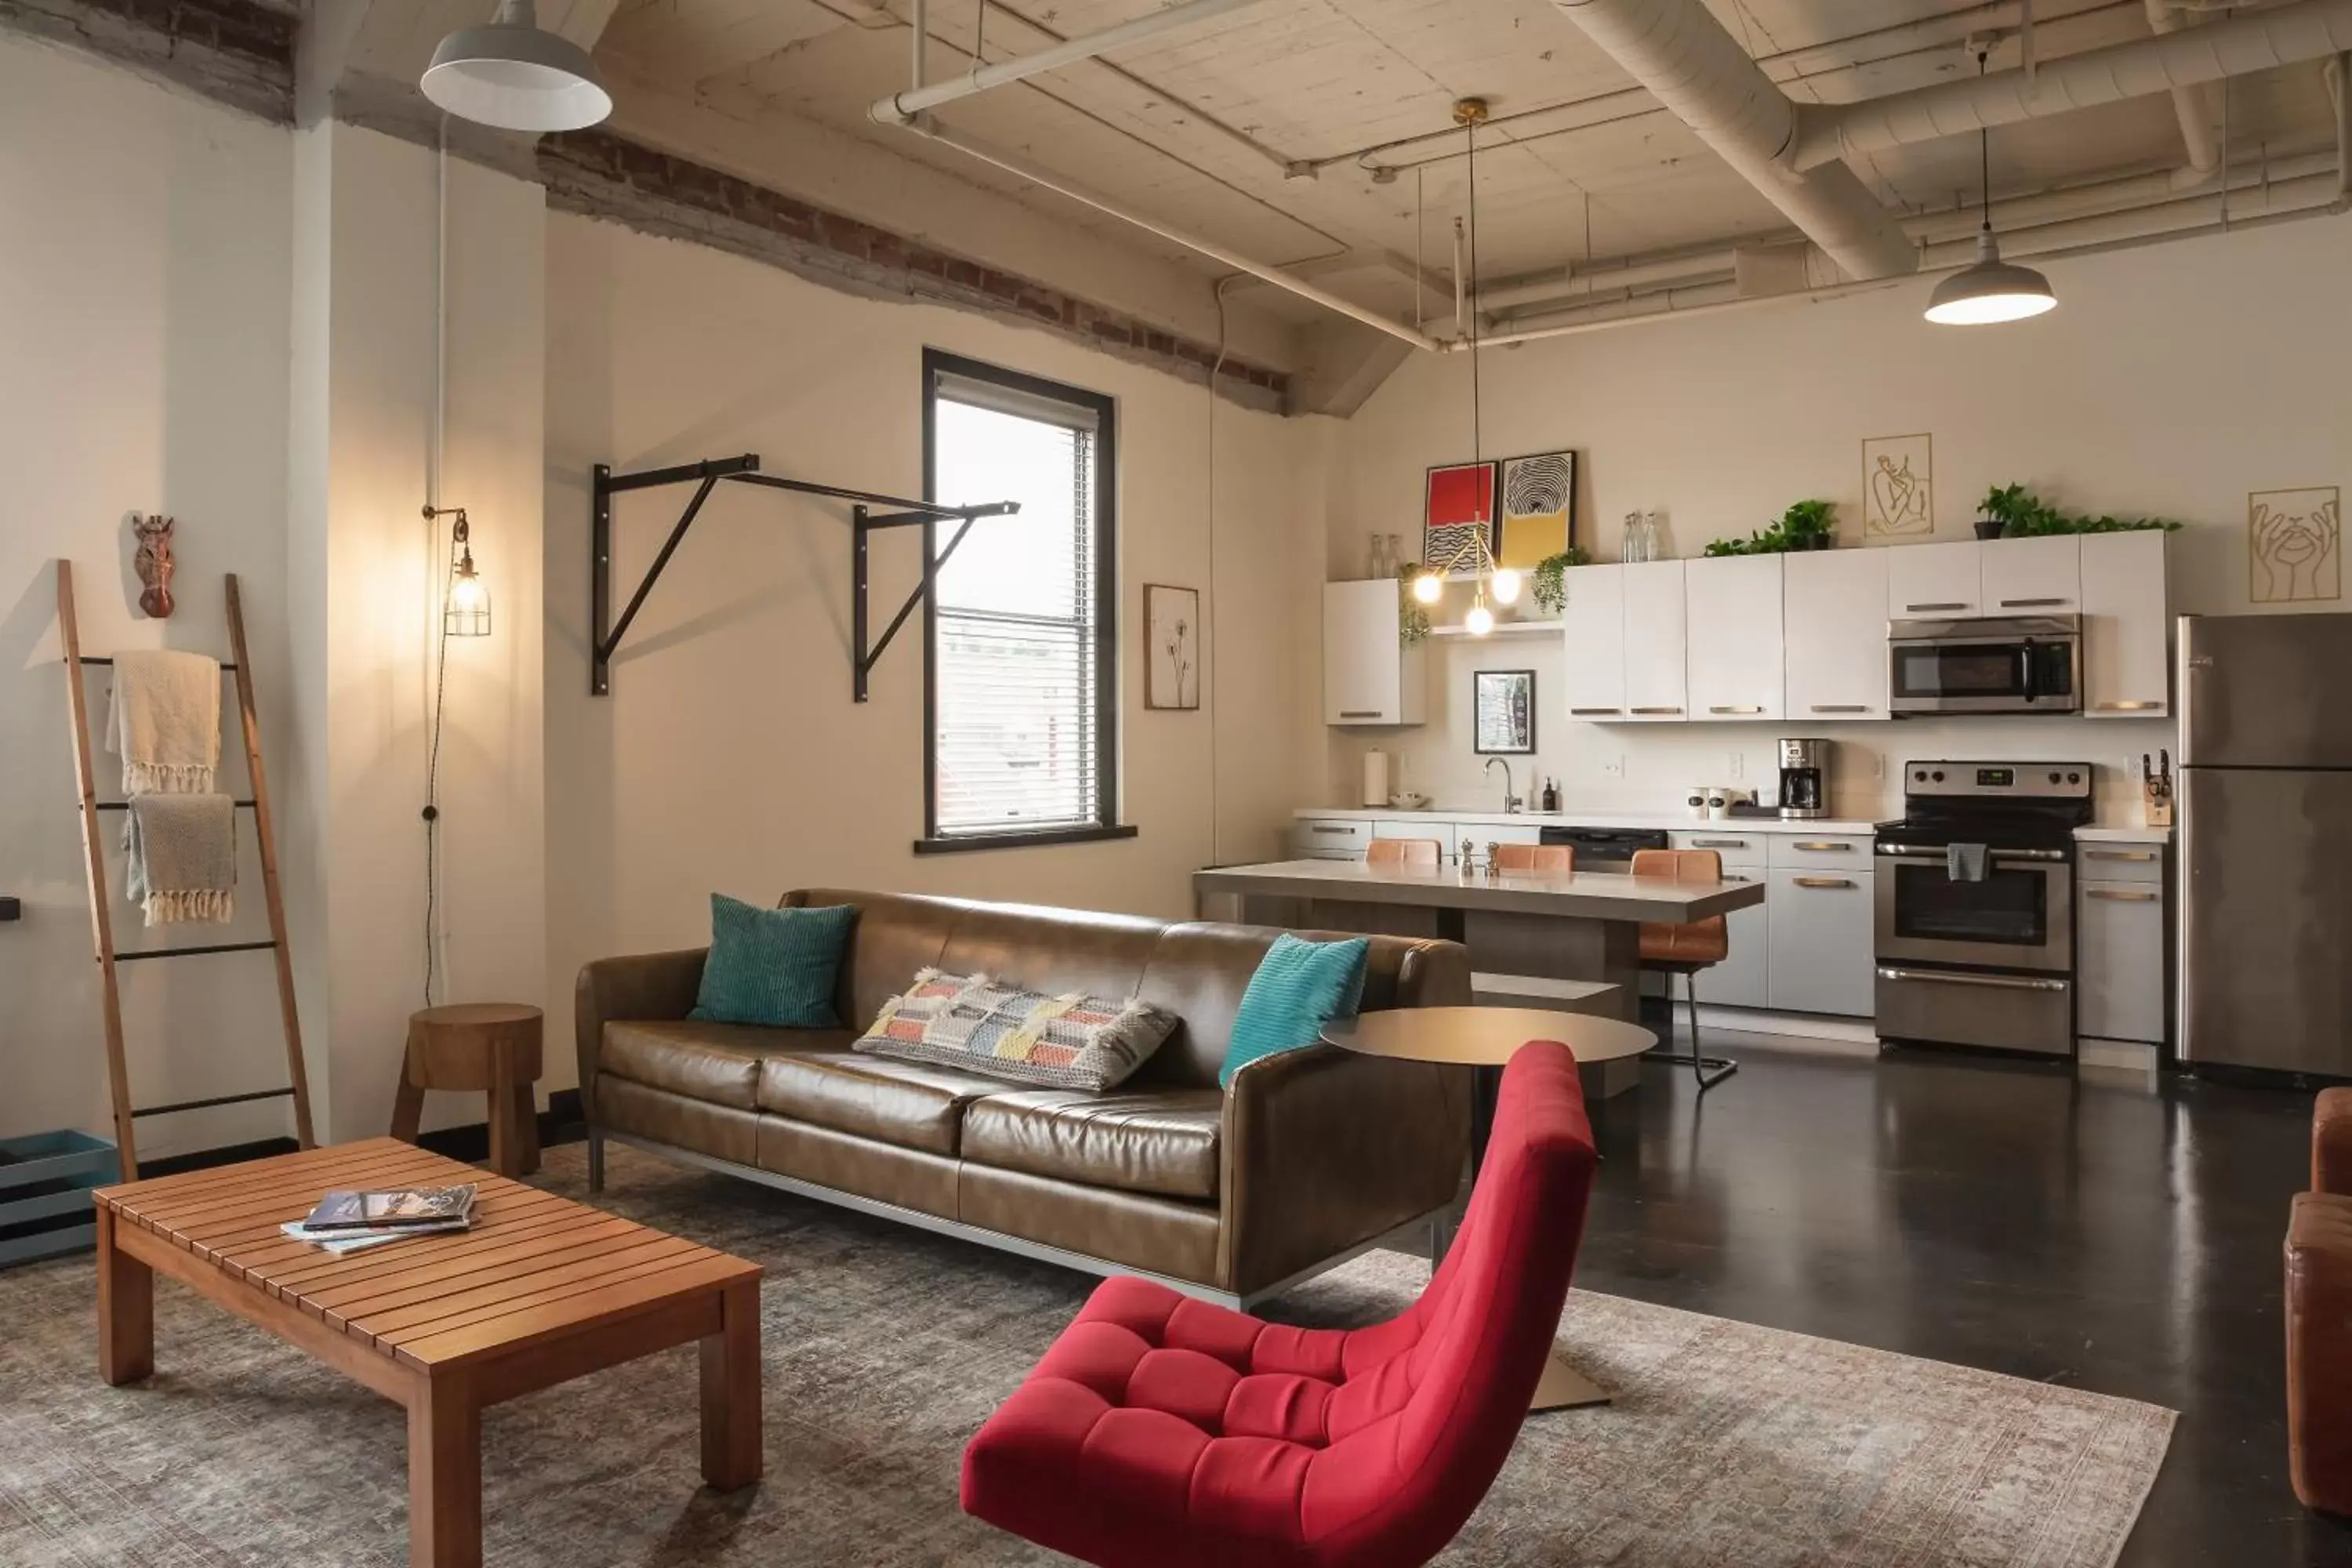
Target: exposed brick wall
(602, 175)
(232, 51)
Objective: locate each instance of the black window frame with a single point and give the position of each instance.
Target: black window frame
(1108, 675)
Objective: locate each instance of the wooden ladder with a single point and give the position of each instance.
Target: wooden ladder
(101, 923)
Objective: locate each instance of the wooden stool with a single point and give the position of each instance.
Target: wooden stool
(490, 1046)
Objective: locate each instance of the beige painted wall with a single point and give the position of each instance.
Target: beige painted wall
(2171, 380)
(144, 330)
(730, 756)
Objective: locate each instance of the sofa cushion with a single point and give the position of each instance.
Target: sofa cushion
(906, 1103)
(1152, 1140)
(1299, 987)
(714, 1062)
(973, 1023)
(772, 966)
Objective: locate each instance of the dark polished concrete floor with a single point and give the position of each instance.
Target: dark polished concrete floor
(2007, 1215)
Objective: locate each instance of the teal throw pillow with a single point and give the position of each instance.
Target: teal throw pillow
(772, 966)
(1299, 987)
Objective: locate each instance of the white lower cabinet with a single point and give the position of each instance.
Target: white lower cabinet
(2119, 962)
(1744, 978)
(1822, 942)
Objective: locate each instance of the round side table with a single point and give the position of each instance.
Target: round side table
(1483, 1039)
(491, 1047)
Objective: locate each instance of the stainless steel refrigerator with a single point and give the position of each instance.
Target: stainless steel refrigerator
(2266, 807)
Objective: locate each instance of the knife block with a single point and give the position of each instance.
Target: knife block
(2156, 802)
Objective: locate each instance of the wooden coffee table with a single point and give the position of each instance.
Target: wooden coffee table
(541, 1292)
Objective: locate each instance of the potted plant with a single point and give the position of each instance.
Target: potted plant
(2012, 512)
(1806, 525)
(1412, 619)
(1548, 584)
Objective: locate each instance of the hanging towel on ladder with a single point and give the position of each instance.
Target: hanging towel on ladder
(165, 722)
(180, 856)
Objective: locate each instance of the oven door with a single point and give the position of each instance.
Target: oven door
(2007, 672)
(2021, 916)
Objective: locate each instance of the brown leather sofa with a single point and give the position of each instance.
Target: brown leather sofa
(1233, 1194)
(2319, 1314)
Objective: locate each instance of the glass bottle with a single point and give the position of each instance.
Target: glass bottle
(1392, 561)
(1373, 556)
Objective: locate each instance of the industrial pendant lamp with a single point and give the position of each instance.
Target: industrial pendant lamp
(513, 75)
(1988, 290)
(1477, 554)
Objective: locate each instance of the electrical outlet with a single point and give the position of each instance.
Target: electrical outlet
(1735, 767)
(1613, 767)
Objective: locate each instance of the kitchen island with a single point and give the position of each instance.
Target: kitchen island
(1526, 928)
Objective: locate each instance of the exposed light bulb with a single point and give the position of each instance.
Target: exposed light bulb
(1479, 621)
(1428, 587)
(466, 595)
(1505, 585)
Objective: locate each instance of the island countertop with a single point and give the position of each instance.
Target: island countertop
(1574, 895)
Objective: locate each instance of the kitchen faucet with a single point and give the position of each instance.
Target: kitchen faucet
(1511, 802)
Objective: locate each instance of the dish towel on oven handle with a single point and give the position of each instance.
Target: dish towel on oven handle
(1964, 862)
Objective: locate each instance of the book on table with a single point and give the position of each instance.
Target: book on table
(396, 1209)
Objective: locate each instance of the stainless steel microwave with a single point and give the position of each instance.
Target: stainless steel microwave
(2026, 664)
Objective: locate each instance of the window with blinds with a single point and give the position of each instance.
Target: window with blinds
(1024, 680)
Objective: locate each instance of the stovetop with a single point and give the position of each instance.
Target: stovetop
(2011, 805)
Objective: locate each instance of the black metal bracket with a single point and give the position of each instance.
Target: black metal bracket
(606, 633)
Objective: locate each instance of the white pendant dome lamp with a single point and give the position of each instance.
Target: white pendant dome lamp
(1988, 290)
(516, 75)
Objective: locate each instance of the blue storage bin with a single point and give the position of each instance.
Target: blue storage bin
(45, 1184)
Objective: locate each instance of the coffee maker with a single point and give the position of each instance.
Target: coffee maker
(1804, 778)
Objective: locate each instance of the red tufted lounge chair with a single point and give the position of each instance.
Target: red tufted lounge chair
(1161, 1431)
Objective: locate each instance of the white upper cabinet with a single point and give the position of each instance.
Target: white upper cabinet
(1934, 581)
(1369, 676)
(2126, 657)
(1835, 614)
(1733, 657)
(2033, 576)
(1592, 649)
(1655, 642)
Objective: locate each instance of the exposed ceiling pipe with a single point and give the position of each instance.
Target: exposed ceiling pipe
(2307, 30)
(920, 21)
(2192, 106)
(2139, 223)
(1700, 72)
(2339, 89)
(1020, 167)
(1600, 278)
(903, 106)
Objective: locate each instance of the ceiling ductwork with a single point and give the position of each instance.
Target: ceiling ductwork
(2307, 31)
(1700, 73)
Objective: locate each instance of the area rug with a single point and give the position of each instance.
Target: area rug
(885, 1347)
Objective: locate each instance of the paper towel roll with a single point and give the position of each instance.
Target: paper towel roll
(1376, 777)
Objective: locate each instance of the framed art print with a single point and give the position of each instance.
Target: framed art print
(1538, 515)
(1505, 722)
(1460, 507)
(1172, 648)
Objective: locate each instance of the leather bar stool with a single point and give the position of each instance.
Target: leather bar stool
(1684, 948)
(1426, 852)
(1535, 857)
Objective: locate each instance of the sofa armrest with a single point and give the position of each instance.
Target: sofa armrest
(1323, 1149)
(2331, 1142)
(1434, 974)
(644, 985)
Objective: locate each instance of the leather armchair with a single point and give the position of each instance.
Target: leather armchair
(2318, 1310)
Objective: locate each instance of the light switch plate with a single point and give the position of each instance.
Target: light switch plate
(1734, 766)
(1613, 767)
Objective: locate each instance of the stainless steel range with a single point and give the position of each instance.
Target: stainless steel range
(1975, 905)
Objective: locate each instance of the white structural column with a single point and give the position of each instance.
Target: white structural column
(1699, 72)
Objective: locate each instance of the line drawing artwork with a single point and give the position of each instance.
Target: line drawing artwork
(1171, 618)
(1898, 485)
(2294, 540)
(1538, 508)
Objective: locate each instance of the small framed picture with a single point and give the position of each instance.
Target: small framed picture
(1505, 711)
(1172, 648)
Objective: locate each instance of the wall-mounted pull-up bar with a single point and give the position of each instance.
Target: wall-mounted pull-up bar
(864, 521)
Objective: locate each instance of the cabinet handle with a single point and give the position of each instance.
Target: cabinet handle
(1327, 827)
(2120, 895)
(1658, 709)
(1733, 710)
(1359, 713)
(1954, 605)
(1718, 844)
(1593, 712)
(2125, 707)
(2140, 857)
(2033, 603)
(1820, 844)
(1841, 707)
(1954, 977)
(1823, 881)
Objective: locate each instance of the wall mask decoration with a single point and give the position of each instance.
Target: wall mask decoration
(1899, 475)
(153, 562)
(1539, 516)
(1460, 506)
(2294, 541)
(1505, 720)
(1172, 648)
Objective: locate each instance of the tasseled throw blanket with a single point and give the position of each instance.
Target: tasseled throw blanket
(165, 721)
(181, 855)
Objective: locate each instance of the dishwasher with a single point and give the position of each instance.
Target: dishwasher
(1606, 848)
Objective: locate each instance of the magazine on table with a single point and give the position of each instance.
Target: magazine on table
(345, 1240)
(395, 1209)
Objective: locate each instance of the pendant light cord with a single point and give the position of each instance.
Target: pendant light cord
(448, 570)
(1984, 155)
(1470, 295)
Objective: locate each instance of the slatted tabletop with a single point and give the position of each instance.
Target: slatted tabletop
(534, 1266)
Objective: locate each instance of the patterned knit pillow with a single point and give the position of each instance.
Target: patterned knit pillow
(772, 966)
(973, 1022)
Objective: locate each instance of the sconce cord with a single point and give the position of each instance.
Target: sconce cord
(432, 767)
